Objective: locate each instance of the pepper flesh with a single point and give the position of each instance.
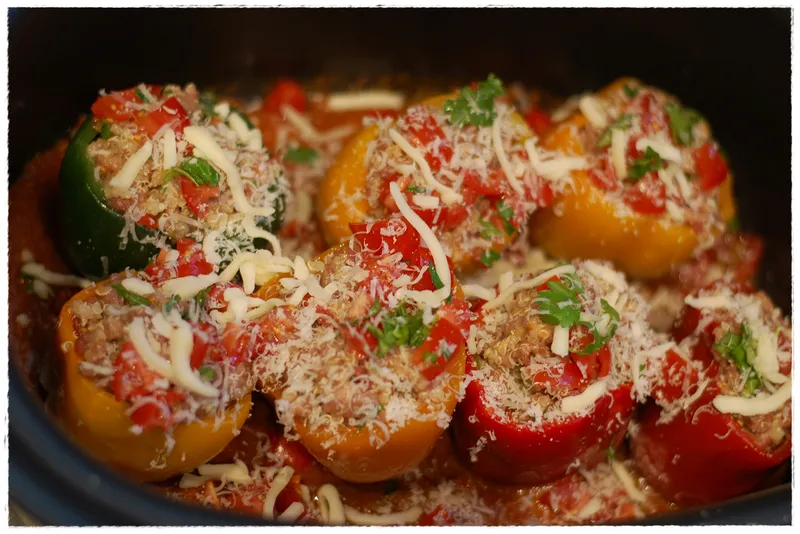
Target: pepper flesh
(352, 457)
(100, 424)
(92, 229)
(582, 223)
(700, 455)
(513, 454)
(342, 199)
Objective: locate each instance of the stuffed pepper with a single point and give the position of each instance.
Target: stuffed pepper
(365, 355)
(307, 132)
(552, 386)
(154, 385)
(656, 190)
(460, 161)
(735, 259)
(151, 165)
(721, 419)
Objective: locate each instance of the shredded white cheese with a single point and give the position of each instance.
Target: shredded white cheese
(374, 99)
(754, 405)
(580, 402)
(449, 196)
(127, 174)
(593, 111)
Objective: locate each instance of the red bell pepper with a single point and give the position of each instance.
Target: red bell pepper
(522, 455)
(698, 455)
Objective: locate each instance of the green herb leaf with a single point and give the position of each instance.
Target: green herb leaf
(171, 303)
(489, 257)
(681, 122)
(201, 297)
(479, 362)
(375, 309)
(437, 282)
(301, 154)
(741, 349)
(430, 357)
(141, 96)
(475, 106)
(650, 161)
(630, 91)
(244, 117)
(399, 328)
(622, 123)
(207, 102)
(734, 225)
(198, 170)
(558, 305)
(600, 341)
(105, 130)
(207, 373)
(506, 213)
(611, 453)
(488, 230)
(416, 189)
(130, 297)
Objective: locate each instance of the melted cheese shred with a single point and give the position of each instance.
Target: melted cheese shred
(235, 472)
(506, 295)
(180, 353)
(448, 195)
(188, 286)
(277, 485)
(580, 402)
(628, 484)
(430, 239)
(398, 518)
(375, 99)
(38, 271)
(329, 502)
(138, 336)
(502, 157)
(754, 405)
(170, 149)
(127, 174)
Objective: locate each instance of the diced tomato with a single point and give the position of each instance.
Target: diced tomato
(387, 236)
(597, 364)
(458, 313)
(204, 335)
(452, 216)
(604, 177)
(425, 132)
(197, 196)
(132, 376)
(419, 259)
(439, 516)
(561, 379)
(647, 196)
(492, 186)
(538, 120)
(362, 342)
(236, 342)
(148, 220)
(113, 106)
(152, 415)
(170, 113)
(654, 118)
(191, 262)
(711, 167)
(443, 332)
(286, 92)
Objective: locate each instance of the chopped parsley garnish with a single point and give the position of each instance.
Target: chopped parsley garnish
(416, 189)
(559, 304)
(207, 102)
(741, 349)
(141, 96)
(734, 225)
(506, 213)
(399, 328)
(475, 106)
(610, 452)
(130, 297)
(489, 257)
(630, 91)
(681, 122)
(201, 297)
(198, 170)
(437, 282)
(599, 341)
(207, 373)
(430, 357)
(105, 131)
(301, 154)
(479, 363)
(622, 123)
(375, 309)
(650, 161)
(171, 303)
(488, 230)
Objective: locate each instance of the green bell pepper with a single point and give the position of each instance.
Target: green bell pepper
(91, 228)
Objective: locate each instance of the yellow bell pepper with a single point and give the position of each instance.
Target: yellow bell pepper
(342, 199)
(583, 223)
(352, 457)
(98, 422)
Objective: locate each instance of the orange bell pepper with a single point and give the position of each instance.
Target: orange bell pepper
(99, 423)
(352, 457)
(342, 200)
(583, 223)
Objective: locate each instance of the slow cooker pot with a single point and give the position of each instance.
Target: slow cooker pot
(732, 64)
